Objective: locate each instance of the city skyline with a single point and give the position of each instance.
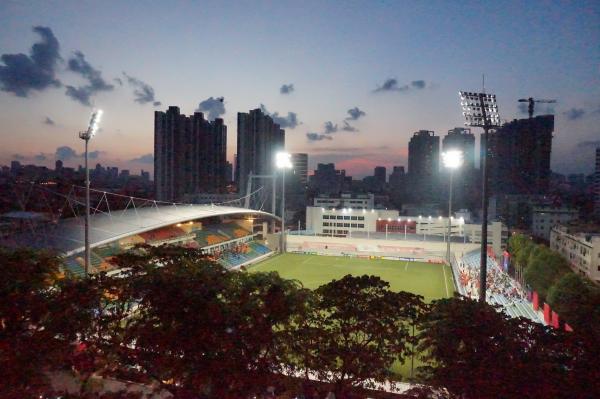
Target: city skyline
(353, 97)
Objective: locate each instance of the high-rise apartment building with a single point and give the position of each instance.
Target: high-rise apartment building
(397, 177)
(380, 175)
(258, 140)
(328, 180)
(519, 156)
(461, 139)
(300, 167)
(189, 154)
(424, 164)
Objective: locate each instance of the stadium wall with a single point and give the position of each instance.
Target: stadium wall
(413, 249)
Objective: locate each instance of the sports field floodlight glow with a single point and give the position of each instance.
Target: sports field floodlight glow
(409, 220)
(86, 136)
(481, 110)
(283, 161)
(452, 159)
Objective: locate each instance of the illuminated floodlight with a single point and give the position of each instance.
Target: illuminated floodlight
(409, 220)
(349, 209)
(439, 217)
(379, 219)
(372, 210)
(364, 210)
(479, 109)
(452, 159)
(419, 216)
(429, 217)
(283, 160)
(389, 219)
(322, 209)
(398, 219)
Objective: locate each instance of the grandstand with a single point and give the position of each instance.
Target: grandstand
(502, 290)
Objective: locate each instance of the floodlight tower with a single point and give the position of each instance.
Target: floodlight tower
(283, 161)
(481, 110)
(86, 136)
(452, 160)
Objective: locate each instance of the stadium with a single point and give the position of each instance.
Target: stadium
(241, 238)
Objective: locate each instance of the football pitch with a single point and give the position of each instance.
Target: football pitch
(432, 281)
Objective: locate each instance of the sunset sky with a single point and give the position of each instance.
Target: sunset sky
(376, 71)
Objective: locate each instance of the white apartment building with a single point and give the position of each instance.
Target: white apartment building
(543, 218)
(579, 247)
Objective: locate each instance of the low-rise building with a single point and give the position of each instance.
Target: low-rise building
(543, 218)
(353, 222)
(351, 201)
(580, 245)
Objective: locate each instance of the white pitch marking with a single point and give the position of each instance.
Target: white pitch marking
(406, 266)
(445, 280)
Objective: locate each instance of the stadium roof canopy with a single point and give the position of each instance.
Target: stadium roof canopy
(67, 236)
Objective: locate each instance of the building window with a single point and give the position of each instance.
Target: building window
(346, 224)
(325, 217)
(362, 226)
(361, 218)
(346, 217)
(353, 225)
(354, 218)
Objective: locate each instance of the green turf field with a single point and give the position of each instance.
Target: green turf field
(433, 281)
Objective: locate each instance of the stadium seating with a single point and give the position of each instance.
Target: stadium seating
(72, 266)
(502, 289)
(250, 251)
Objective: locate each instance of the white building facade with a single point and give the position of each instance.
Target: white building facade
(544, 218)
(580, 248)
(344, 222)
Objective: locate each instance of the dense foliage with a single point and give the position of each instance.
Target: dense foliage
(174, 320)
(575, 298)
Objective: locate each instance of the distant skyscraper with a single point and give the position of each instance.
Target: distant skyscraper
(397, 177)
(519, 156)
(424, 164)
(328, 180)
(58, 166)
(228, 172)
(258, 140)
(461, 139)
(189, 154)
(380, 175)
(300, 167)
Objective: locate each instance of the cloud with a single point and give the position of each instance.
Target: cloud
(22, 73)
(355, 114)
(40, 157)
(143, 92)
(119, 81)
(82, 94)
(65, 153)
(92, 154)
(214, 107)
(391, 84)
(48, 121)
(285, 122)
(317, 137)
(18, 157)
(348, 128)
(286, 89)
(574, 113)
(330, 127)
(147, 158)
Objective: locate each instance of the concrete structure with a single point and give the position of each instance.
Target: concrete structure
(543, 218)
(300, 167)
(352, 222)
(580, 245)
(380, 175)
(258, 140)
(519, 156)
(397, 177)
(189, 154)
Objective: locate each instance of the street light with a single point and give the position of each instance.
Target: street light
(283, 161)
(481, 110)
(452, 160)
(86, 136)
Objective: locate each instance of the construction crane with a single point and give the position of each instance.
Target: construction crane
(531, 101)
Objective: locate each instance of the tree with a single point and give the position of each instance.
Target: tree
(570, 297)
(199, 328)
(354, 332)
(475, 351)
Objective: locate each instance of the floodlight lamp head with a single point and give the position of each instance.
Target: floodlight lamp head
(283, 160)
(452, 159)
